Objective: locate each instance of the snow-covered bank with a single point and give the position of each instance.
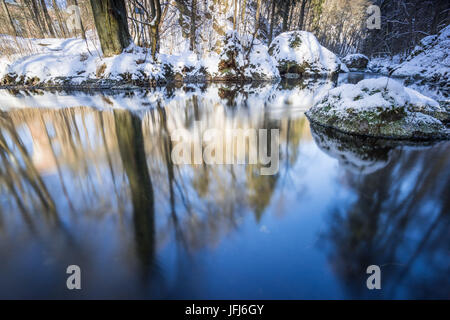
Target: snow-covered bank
(73, 62)
(381, 108)
(428, 63)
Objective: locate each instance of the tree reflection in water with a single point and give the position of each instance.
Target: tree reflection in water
(97, 187)
(399, 219)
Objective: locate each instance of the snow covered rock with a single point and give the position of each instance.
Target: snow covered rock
(381, 108)
(430, 61)
(299, 53)
(236, 63)
(356, 61)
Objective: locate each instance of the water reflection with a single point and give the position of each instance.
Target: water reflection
(88, 179)
(398, 220)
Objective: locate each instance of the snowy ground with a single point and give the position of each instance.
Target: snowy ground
(429, 62)
(56, 60)
(74, 61)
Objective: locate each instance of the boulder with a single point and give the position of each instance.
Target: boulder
(381, 108)
(299, 53)
(356, 61)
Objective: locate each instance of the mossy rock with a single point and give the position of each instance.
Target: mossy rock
(381, 108)
(9, 79)
(397, 122)
(300, 53)
(292, 67)
(356, 61)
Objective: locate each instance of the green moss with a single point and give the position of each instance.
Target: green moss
(289, 66)
(295, 41)
(394, 122)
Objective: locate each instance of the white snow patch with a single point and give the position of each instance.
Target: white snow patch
(373, 93)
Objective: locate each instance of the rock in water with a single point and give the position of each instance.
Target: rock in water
(298, 53)
(356, 61)
(381, 108)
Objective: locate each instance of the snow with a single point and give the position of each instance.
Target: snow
(56, 61)
(262, 63)
(302, 46)
(344, 68)
(354, 56)
(430, 60)
(383, 65)
(374, 93)
(236, 61)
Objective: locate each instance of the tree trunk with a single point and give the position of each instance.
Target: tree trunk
(272, 22)
(258, 14)
(439, 12)
(244, 6)
(5, 8)
(110, 18)
(61, 23)
(34, 11)
(193, 26)
(83, 31)
(286, 9)
(155, 10)
(302, 15)
(235, 18)
(132, 153)
(47, 18)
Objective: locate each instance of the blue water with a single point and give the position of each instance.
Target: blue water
(74, 191)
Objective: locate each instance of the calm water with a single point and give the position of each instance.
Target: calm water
(87, 179)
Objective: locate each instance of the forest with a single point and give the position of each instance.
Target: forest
(174, 26)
